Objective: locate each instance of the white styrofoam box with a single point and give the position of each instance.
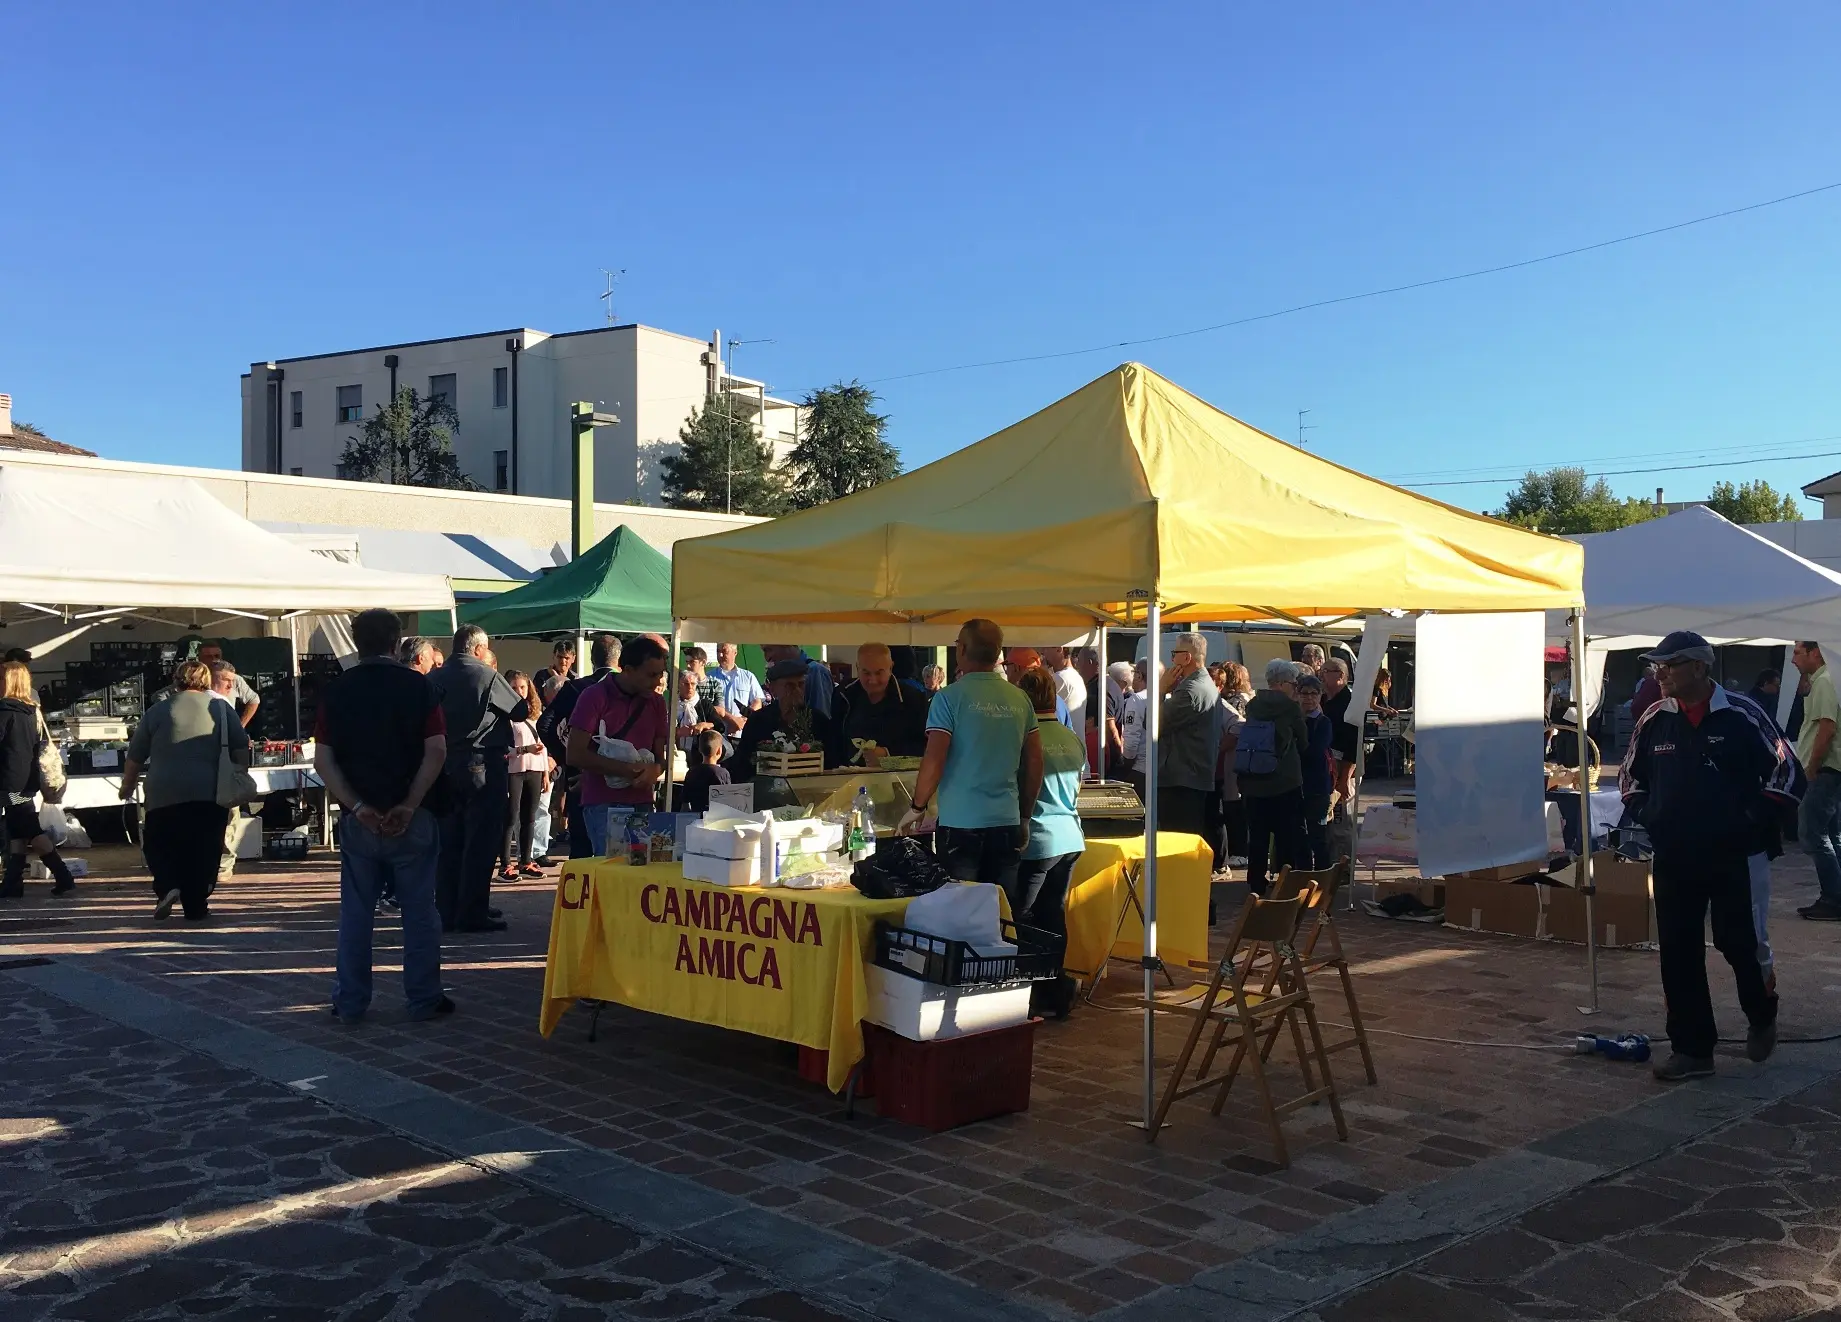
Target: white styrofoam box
(926, 1011)
(723, 871)
(741, 842)
(246, 832)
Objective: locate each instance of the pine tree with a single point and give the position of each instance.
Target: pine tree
(843, 445)
(406, 443)
(721, 465)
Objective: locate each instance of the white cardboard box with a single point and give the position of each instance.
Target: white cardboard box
(716, 842)
(723, 871)
(926, 1011)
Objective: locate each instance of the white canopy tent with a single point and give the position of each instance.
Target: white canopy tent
(81, 548)
(1694, 570)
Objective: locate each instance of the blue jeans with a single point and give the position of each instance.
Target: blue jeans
(606, 825)
(1819, 826)
(367, 862)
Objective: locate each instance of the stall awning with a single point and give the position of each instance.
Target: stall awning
(82, 537)
(620, 585)
(1128, 483)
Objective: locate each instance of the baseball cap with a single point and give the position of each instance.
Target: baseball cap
(1120, 671)
(1682, 645)
(790, 668)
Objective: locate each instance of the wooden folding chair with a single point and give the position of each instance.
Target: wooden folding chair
(1250, 1014)
(1321, 947)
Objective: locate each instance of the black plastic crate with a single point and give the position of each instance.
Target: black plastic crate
(955, 964)
(286, 847)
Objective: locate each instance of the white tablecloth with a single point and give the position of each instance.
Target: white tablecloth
(102, 791)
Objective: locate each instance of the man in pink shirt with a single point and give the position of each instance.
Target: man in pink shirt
(625, 705)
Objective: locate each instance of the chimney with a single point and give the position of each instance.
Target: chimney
(1658, 500)
(6, 415)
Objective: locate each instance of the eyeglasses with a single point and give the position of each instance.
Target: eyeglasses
(1672, 664)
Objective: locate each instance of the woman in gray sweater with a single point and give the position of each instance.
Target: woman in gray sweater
(178, 744)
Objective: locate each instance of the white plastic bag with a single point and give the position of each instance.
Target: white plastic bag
(75, 836)
(619, 750)
(51, 822)
(966, 912)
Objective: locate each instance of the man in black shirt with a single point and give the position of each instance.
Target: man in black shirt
(379, 744)
(478, 705)
(877, 707)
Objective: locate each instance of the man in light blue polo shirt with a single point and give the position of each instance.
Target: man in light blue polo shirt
(983, 767)
(741, 690)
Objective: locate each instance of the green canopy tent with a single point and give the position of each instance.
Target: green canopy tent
(620, 585)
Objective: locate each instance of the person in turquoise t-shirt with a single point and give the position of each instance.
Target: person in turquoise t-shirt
(1056, 842)
(983, 766)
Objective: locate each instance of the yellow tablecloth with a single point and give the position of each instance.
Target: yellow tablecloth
(784, 964)
(1097, 892)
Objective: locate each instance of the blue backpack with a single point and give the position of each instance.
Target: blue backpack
(1257, 752)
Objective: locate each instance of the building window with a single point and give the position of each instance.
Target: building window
(501, 387)
(351, 403)
(442, 388)
(294, 408)
(294, 472)
(501, 470)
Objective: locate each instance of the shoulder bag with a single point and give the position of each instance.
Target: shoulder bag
(234, 783)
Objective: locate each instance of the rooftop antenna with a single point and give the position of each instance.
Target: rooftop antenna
(1304, 427)
(607, 295)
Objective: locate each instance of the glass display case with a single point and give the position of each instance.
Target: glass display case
(891, 793)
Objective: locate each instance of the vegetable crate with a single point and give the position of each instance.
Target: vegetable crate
(772, 762)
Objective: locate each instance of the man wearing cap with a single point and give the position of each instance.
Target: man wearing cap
(1702, 769)
(789, 712)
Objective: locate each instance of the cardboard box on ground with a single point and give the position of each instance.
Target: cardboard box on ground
(1547, 908)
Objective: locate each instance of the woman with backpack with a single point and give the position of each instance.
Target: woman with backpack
(1268, 769)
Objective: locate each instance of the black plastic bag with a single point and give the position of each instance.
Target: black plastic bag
(899, 869)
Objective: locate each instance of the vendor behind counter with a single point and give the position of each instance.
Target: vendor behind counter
(787, 712)
(878, 708)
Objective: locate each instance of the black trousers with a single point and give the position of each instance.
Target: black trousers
(471, 832)
(1040, 900)
(1276, 835)
(1317, 829)
(989, 854)
(1180, 808)
(1234, 822)
(181, 843)
(523, 789)
(1687, 891)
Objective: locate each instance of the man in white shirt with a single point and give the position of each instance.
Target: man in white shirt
(243, 698)
(1069, 686)
(742, 693)
(1132, 728)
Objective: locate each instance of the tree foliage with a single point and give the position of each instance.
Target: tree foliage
(1753, 502)
(407, 443)
(721, 465)
(1561, 500)
(843, 445)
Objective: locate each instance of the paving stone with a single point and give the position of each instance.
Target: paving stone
(1412, 1298)
(1599, 1211)
(1779, 1303)
(467, 1301)
(1673, 1306)
(1500, 1255)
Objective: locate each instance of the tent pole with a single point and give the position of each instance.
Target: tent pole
(294, 667)
(1099, 772)
(581, 655)
(1153, 712)
(1585, 807)
(1354, 807)
(671, 710)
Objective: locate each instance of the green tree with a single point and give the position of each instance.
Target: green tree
(1753, 502)
(1561, 500)
(407, 443)
(843, 445)
(721, 465)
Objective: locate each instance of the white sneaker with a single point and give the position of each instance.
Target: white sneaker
(165, 906)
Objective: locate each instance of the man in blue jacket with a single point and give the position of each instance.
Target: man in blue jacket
(1703, 769)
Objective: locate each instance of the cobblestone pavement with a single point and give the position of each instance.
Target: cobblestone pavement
(138, 1180)
(1744, 1225)
(1064, 1208)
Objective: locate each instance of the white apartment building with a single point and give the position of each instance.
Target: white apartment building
(512, 390)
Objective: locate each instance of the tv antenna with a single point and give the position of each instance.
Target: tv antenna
(607, 295)
(1304, 427)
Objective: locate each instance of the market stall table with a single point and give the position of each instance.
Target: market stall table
(780, 963)
(104, 791)
(1099, 896)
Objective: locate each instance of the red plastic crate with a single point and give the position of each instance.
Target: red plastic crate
(953, 1081)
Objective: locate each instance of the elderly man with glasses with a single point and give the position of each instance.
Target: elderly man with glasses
(1705, 776)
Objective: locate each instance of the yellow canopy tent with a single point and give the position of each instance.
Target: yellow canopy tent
(1127, 485)
(1129, 501)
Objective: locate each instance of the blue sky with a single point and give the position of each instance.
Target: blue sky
(884, 190)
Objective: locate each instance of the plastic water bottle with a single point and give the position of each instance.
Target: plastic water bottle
(1631, 1046)
(862, 839)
